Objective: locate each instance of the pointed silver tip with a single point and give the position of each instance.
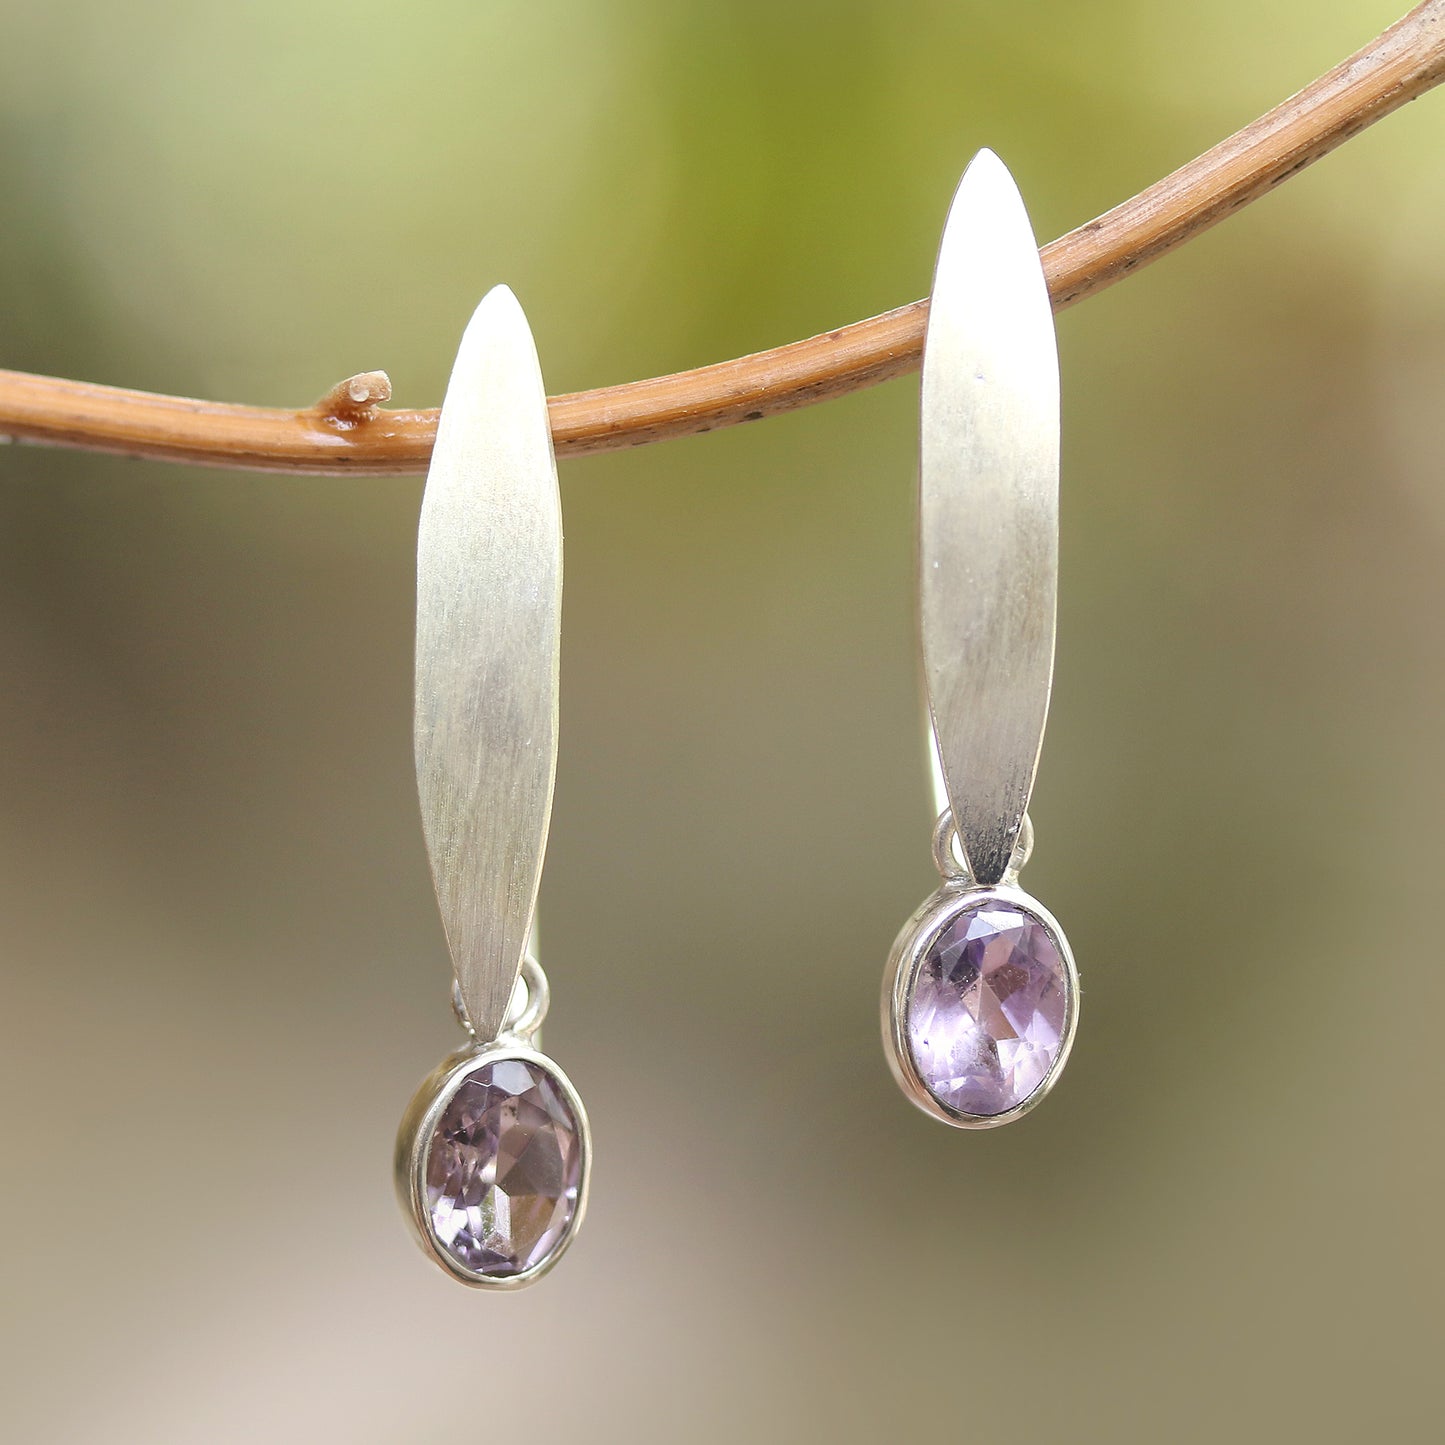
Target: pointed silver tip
(987, 169)
(498, 326)
(499, 301)
(988, 196)
(499, 295)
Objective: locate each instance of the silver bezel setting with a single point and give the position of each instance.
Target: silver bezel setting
(413, 1144)
(955, 897)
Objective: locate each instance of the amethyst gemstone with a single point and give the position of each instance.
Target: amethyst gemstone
(503, 1169)
(987, 1009)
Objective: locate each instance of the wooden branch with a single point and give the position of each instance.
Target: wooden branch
(348, 432)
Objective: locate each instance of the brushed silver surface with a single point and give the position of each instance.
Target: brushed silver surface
(488, 628)
(988, 512)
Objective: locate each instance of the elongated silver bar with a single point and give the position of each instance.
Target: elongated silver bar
(989, 512)
(488, 632)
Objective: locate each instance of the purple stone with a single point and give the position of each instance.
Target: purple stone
(503, 1169)
(987, 1009)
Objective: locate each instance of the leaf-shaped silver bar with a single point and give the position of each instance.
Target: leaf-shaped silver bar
(989, 512)
(488, 630)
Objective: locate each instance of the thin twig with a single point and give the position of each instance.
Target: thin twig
(1404, 62)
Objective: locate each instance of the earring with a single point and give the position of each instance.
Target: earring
(981, 996)
(493, 1153)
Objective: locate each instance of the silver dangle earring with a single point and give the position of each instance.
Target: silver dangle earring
(980, 997)
(493, 1153)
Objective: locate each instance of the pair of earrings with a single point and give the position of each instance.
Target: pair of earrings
(980, 993)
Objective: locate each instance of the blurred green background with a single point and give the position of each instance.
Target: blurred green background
(222, 969)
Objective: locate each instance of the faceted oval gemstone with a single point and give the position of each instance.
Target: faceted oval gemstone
(504, 1169)
(987, 1008)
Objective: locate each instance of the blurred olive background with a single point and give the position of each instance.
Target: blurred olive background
(223, 972)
